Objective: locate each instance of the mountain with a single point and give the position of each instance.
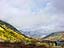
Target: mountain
(33, 34)
(55, 36)
(10, 34)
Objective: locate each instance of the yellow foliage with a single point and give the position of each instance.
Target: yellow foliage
(10, 35)
(1, 29)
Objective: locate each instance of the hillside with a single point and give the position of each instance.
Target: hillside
(10, 34)
(55, 36)
(10, 37)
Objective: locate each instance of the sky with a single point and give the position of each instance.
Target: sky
(45, 16)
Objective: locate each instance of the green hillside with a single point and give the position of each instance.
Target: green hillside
(10, 34)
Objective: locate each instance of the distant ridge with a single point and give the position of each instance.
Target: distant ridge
(55, 36)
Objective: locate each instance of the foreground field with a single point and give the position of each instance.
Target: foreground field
(19, 45)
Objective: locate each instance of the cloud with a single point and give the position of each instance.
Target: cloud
(33, 15)
(58, 5)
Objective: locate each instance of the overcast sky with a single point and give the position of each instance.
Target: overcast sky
(34, 15)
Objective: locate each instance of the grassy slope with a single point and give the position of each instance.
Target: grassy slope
(10, 34)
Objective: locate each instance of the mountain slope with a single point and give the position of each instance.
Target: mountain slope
(10, 34)
(55, 36)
